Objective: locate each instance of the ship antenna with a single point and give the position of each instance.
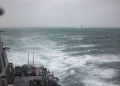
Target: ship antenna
(28, 58)
(33, 58)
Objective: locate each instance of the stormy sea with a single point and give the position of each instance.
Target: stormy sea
(79, 57)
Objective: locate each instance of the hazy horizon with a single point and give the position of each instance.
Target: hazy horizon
(1, 28)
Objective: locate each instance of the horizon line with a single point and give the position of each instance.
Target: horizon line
(52, 27)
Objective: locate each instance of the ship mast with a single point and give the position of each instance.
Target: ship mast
(33, 58)
(28, 58)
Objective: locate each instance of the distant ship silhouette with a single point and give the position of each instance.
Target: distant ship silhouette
(81, 27)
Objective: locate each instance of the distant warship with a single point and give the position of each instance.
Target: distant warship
(81, 27)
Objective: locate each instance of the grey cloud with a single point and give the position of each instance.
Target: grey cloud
(61, 13)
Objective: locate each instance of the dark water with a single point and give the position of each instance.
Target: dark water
(79, 57)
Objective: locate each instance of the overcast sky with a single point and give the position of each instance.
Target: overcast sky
(60, 13)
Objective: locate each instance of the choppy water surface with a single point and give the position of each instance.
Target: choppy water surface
(79, 57)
